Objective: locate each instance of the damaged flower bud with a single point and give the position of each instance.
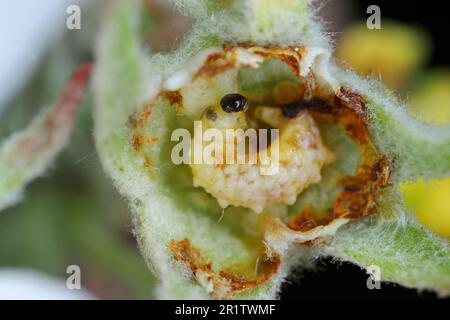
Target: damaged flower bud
(344, 144)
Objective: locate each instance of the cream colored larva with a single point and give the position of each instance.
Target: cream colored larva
(302, 155)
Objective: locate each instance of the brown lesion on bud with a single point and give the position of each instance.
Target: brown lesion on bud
(359, 192)
(175, 99)
(307, 220)
(346, 108)
(224, 283)
(140, 118)
(220, 62)
(216, 63)
(148, 164)
(139, 121)
(138, 140)
(356, 200)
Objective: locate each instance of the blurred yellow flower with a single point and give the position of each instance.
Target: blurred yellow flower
(431, 203)
(395, 52)
(431, 99)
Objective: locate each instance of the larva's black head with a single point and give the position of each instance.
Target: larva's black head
(234, 102)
